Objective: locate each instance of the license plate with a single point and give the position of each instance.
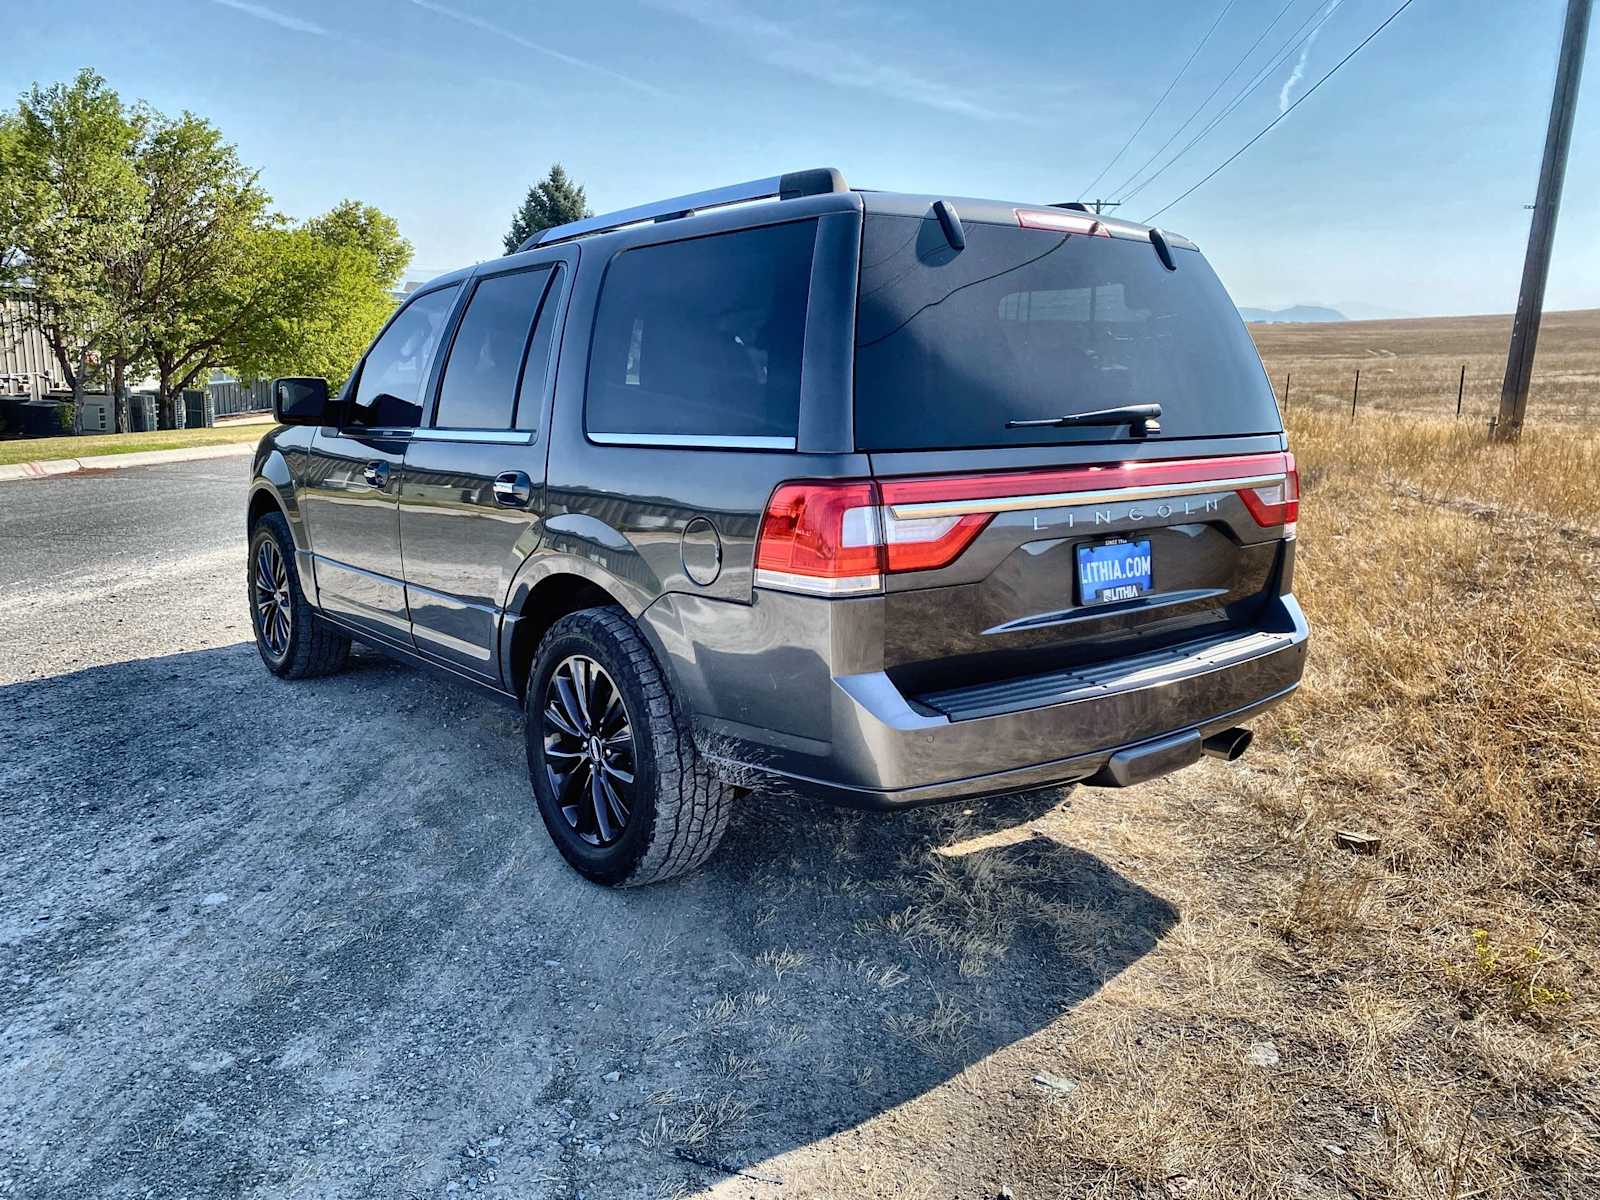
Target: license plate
(1111, 571)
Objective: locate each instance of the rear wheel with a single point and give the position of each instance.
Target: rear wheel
(293, 641)
(614, 769)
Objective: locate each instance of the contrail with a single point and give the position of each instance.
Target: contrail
(510, 35)
(1296, 75)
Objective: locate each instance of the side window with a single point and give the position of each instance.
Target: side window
(703, 337)
(530, 399)
(479, 389)
(389, 393)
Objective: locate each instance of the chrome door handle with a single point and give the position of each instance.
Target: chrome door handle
(512, 489)
(377, 474)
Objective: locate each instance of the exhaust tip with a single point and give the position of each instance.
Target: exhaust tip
(1229, 745)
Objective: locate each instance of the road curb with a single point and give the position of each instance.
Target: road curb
(113, 462)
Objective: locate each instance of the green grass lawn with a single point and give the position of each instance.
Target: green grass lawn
(38, 449)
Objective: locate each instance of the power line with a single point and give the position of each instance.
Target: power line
(1279, 57)
(1186, 63)
(1221, 83)
(1306, 95)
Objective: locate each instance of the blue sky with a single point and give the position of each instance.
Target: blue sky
(1400, 184)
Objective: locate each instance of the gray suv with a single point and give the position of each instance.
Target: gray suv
(882, 499)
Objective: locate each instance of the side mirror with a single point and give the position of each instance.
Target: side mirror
(301, 400)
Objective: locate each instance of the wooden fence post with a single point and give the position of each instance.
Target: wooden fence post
(1356, 392)
(1288, 378)
(1461, 389)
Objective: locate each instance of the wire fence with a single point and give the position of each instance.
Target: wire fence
(1409, 395)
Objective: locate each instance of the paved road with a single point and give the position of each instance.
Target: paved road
(272, 939)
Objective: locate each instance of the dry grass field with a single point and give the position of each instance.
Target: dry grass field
(1415, 366)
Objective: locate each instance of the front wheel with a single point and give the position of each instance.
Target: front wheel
(613, 764)
(294, 642)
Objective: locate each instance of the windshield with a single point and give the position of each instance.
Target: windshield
(1027, 324)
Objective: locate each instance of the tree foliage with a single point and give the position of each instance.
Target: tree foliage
(203, 209)
(319, 306)
(554, 200)
(362, 227)
(142, 239)
(70, 217)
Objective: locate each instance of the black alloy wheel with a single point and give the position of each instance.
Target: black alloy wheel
(269, 592)
(589, 750)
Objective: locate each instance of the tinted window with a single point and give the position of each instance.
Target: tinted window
(389, 393)
(479, 389)
(703, 336)
(530, 398)
(1027, 324)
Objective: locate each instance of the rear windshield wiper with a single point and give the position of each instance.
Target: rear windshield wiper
(1145, 418)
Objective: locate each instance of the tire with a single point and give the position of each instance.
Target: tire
(293, 640)
(673, 810)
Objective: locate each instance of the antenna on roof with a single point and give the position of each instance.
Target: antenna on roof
(817, 182)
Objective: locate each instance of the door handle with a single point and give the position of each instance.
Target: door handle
(512, 489)
(377, 474)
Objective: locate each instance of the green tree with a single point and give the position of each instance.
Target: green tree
(362, 227)
(142, 239)
(554, 200)
(324, 299)
(18, 196)
(197, 280)
(70, 219)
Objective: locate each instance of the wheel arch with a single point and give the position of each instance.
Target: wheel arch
(544, 592)
(263, 500)
(272, 485)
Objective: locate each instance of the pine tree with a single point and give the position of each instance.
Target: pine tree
(554, 200)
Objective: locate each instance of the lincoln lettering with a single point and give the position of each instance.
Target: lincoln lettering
(1108, 516)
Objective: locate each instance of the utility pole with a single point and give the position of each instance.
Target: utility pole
(1100, 206)
(1546, 204)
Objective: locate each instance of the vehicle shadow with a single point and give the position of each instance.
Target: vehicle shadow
(320, 924)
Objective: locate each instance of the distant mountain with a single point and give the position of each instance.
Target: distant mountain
(1297, 313)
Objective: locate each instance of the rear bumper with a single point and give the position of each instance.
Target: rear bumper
(769, 712)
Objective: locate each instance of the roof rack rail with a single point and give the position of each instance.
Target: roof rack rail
(817, 182)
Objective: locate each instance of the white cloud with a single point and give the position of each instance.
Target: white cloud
(516, 38)
(284, 20)
(792, 48)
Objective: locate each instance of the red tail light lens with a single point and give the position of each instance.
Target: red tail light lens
(821, 537)
(1277, 503)
(925, 543)
(836, 538)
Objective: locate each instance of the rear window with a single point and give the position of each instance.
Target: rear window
(703, 338)
(1027, 324)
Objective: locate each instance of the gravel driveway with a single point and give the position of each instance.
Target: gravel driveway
(308, 939)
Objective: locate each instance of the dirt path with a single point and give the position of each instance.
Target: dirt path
(267, 939)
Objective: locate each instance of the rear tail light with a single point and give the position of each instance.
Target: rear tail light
(821, 537)
(1276, 503)
(836, 538)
